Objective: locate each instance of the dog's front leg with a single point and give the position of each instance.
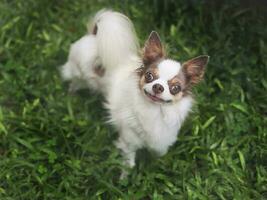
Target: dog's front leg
(128, 144)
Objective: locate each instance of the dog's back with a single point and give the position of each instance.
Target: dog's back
(110, 42)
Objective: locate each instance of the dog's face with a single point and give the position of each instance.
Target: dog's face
(164, 80)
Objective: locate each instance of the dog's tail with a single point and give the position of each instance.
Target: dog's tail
(116, 38)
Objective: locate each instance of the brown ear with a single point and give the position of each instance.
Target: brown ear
(194, 69)
(153, 49)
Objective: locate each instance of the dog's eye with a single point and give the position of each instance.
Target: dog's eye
(175, 89)
(149, 77)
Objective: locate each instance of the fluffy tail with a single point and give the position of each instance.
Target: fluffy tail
(116, 38)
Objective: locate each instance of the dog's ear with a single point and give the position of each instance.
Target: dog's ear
(153, 49)
(194, 69)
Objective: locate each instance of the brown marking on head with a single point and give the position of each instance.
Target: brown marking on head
(152, 53)
(99, 70)
(153, 50)
(140, 71)
(183, 88)
(191, 74)
(194, 69)
(95, 30)
(153, 69)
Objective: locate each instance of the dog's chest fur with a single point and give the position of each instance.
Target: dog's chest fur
(158, 125)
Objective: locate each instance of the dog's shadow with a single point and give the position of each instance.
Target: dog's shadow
(144, 158)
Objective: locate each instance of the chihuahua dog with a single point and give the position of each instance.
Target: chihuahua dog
(148, 96)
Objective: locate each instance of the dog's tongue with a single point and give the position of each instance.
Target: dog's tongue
(155, 98)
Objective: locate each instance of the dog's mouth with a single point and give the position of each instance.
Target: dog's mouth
(155, 98)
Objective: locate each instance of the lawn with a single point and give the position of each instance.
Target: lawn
(54, 145)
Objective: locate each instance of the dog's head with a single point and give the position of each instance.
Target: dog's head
(163, 80)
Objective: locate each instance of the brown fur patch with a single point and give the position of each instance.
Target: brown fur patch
(153, 49)
(99, 70)
(152, 69)
(95, 30)
(140, 71)
(180, 79)
(194, 69)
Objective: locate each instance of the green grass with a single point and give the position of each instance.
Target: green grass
(57, 146)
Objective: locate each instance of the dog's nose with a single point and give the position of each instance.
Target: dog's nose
(157, 88)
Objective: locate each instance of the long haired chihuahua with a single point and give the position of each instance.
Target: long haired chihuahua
(148, 96)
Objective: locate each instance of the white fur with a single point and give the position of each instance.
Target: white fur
(82, 59)
(83, 54)
(168, 69)
(116, 38)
